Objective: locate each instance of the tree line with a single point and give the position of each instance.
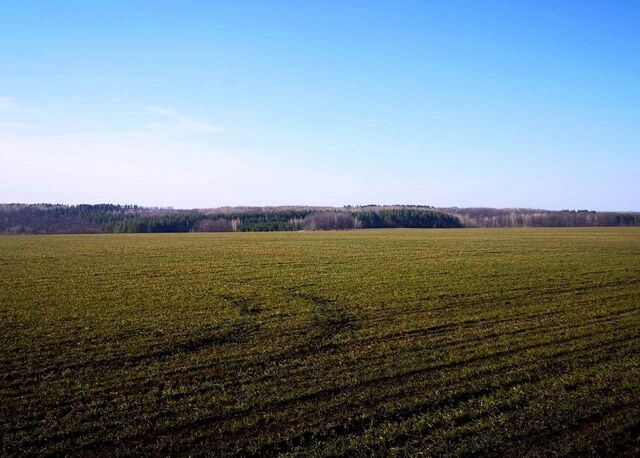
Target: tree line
(524, 217)
(109, 218)
(47, 218)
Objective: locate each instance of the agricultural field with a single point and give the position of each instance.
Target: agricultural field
(502, 342)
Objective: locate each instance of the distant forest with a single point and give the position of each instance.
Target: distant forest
(109, 218)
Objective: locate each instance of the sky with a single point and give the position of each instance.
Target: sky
(201, 104)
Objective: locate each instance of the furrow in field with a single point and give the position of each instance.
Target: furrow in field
(204, 422)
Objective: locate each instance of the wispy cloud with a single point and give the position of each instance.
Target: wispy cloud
(187, 123)
(7, 103)
(14, 125)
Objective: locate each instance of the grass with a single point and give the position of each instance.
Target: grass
(441, 342)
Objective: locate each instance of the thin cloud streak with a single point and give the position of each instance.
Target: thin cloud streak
(7, 103)
(187, 123)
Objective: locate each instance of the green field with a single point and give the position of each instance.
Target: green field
(447, 342)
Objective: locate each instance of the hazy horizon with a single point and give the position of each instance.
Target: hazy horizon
(285, 205)
(466, 104)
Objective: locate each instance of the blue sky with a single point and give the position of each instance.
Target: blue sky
(200, 104)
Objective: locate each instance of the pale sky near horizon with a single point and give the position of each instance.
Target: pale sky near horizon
(203, 104)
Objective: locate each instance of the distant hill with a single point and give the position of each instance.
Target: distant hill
(109, 218)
